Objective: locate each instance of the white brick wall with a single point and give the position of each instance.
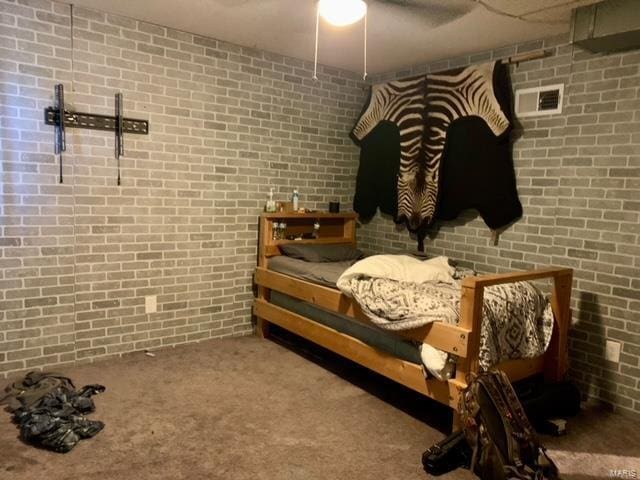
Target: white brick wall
(226, 123)
(578, 178)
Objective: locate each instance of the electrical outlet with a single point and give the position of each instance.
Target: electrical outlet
(612, 352)
(151, 304)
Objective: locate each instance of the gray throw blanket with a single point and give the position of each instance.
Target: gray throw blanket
(517, 317)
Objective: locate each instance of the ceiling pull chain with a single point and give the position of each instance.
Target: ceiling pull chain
(315, 60)
(364, 75)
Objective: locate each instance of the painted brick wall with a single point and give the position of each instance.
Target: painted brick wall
(77, 259)
(226, 123)
(578, 178)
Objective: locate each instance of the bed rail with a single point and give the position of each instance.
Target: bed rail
(510, 277)
(407, 373)
(450, 338)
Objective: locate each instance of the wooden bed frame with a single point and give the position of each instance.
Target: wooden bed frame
(462, 340)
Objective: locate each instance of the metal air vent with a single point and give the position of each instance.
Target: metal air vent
(532, 102)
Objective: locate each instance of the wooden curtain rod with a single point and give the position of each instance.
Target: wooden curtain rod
(526, 57)
(519, 58)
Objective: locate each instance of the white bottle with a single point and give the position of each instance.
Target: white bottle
(271, 204)
(295, 200)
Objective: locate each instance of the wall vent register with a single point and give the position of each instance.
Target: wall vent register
(538, 101)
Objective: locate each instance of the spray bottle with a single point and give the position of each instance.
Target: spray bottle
(295, 199)
(270, 207)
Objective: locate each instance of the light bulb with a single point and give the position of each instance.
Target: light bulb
(342, 12)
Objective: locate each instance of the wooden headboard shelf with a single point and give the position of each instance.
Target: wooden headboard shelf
(334, 228)
(311, 215)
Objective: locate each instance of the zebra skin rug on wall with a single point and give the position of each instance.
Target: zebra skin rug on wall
(437, 144)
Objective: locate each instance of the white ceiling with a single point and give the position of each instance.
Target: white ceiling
(401, 32)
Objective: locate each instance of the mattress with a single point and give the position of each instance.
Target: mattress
(327, 274)
(370, 335)
(322, 273)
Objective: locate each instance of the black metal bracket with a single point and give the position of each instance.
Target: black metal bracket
(93, 121)
(119, 143)
(60, 135)
(61, 118)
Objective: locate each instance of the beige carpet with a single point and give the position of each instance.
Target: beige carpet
(251, 409)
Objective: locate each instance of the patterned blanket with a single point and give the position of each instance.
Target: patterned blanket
(517, 318)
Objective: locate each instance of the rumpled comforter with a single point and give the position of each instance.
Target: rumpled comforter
(398, 292)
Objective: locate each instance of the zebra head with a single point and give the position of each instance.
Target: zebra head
(417, 195)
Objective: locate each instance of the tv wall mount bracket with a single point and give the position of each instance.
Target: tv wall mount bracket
(61, 119)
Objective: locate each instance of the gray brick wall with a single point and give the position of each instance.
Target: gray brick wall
(226, 123)
(578, 177)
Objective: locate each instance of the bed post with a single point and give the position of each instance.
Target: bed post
(471, 301)
(262, 326)
(349, 230)
(265, 232)
(556, 360)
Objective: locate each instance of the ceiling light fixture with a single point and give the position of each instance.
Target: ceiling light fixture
(341, 13)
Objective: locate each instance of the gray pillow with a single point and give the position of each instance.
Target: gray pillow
(321, 253)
